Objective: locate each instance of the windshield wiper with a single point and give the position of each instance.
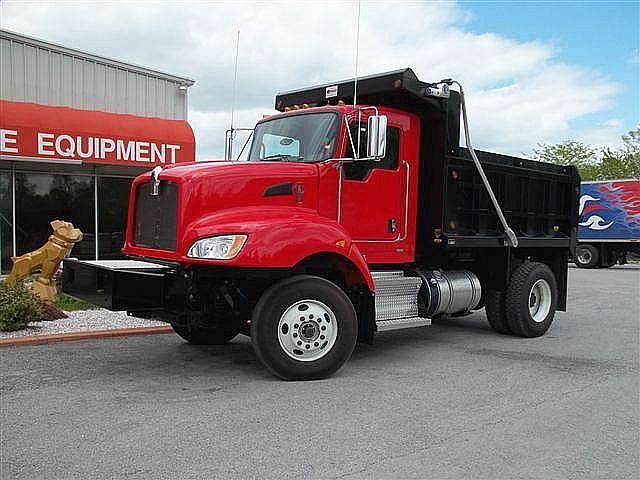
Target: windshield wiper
(283, 157)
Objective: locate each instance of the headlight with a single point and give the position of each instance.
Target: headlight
(223, 247)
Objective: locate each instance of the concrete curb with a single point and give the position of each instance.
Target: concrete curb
(87, 335)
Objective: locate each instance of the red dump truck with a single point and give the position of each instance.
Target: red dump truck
(346, 221)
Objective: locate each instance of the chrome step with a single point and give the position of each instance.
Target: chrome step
(398, 323)
(396, 301)
(389, 286)
(386, 274)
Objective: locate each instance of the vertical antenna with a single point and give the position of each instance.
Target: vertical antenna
(355, 81)
(229, 154)
(355, 76)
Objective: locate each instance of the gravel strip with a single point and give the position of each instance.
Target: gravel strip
(82, 321)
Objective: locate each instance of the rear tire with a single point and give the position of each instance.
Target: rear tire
(304, 328)
(609, 259)
(531, 299)
(587, 256)
(206, 336)
(495, 311)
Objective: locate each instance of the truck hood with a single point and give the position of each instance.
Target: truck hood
(209, 187)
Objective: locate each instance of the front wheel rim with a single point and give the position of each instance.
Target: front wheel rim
(307, 330)
(540, 300)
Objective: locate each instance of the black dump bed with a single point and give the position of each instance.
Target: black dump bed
(538, 199)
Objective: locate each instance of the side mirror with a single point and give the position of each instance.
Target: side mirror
(377, 144)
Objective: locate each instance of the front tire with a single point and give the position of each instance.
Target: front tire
(531, 299)
(304, 328)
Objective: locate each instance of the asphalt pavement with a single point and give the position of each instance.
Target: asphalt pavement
(453, 400)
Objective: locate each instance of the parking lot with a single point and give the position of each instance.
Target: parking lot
(454, 400)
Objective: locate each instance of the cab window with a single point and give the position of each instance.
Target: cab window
(306, 137)
(359, 170)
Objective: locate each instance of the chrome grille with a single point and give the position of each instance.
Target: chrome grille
(155, 216)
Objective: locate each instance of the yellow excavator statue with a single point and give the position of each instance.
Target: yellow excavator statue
(46, 260)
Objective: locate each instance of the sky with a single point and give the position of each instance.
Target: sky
(533, 72)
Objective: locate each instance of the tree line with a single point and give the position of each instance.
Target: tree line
(596, 163)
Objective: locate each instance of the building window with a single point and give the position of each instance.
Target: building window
(43, 197)
(113, 200)
(6, 222)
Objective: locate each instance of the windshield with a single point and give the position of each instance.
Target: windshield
(298, 138)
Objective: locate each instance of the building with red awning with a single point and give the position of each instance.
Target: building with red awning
(75, 129)
(61, 134)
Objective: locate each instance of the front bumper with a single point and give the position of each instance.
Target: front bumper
(120, 285)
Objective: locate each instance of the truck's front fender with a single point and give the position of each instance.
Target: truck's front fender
(278, 237)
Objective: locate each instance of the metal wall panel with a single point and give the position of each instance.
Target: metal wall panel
(32, 70)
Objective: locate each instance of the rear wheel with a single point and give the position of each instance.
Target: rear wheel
(608, 258)
(494, 309)
(531, 299)
(304, 328)
(587, 256)
(198, 335)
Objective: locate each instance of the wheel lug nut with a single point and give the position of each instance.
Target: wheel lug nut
(307, 346)
(299, 343)
(296, 326)
(323, 327)
(321, 337)
(295, 335)
(316, 344)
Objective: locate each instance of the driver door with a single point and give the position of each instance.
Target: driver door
(373, 198)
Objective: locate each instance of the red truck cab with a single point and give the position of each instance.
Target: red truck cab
(298, 208)
(344, 221)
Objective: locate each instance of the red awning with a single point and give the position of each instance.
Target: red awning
(29, 131)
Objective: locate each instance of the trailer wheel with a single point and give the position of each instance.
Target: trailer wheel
(206, 336)
(304, 328)
(531, 299)
(494, 309)
(587, 256)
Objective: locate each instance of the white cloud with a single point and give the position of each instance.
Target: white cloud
(210, 128)
(519, 94)
(605, 134)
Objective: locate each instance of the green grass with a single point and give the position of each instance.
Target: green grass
(70, 304)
